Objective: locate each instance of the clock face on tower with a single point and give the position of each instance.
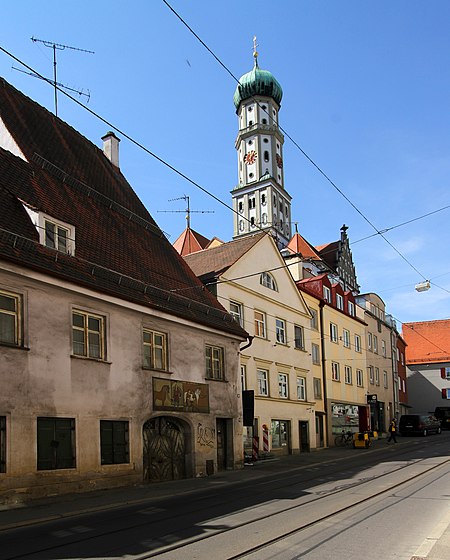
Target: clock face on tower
(250, 157)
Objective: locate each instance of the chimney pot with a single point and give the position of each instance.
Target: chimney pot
(111, 147)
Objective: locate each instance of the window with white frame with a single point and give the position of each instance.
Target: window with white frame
(263, 382)
(88, 335)
(335, 373)
(402, 356)
(283, 388)
(315, 354)
(383, 348)
(327, 294)
(260, 324)
(299, 337)
(280, 330)
(357, 343)
(385, 379)
(243, 377)
(346, 338)
(314, 319)
(10, 318)
(377, 376)
(375, 344)
(301, 388)
(214, 362)
(154, 349)
(360, 378)
(317, 384)
(267, 280)
(371, 378)
(333, 333)
(236, 311)
(351, 308)
(55, 234)
(339, 302)
(369, 341)
(348, 375)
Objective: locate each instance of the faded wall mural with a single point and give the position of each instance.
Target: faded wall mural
(182, 396)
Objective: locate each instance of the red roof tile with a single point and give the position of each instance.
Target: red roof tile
(428, 342)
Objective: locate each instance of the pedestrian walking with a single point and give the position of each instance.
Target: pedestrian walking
(392, 432)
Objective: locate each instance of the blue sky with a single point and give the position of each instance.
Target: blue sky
(366, 96)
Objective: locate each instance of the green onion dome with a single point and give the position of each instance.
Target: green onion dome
(257, 82)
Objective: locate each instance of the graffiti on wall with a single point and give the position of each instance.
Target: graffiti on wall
(205, 435)
(182, 396)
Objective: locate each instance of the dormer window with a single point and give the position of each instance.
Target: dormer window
(327, 294)
(339, 302)
(53, 233)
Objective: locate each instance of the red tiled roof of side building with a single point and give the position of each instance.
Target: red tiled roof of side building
(299, 245)
(119, 249)
(190, 241)
(427, 341)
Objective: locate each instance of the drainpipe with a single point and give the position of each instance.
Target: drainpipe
(324, 370)
(250, 341)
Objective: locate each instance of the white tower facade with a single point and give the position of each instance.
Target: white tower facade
(260, 200)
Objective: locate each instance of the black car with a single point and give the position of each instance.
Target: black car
(442, 413)
(419, 424)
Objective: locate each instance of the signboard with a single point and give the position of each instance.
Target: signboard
(372, 399)
(180, 396)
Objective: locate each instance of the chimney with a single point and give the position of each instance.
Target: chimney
(111, 147)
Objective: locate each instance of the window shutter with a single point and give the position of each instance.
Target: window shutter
(443, 374)
(444, 393)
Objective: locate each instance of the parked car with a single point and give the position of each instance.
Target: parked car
(442, 413)
(419, 424)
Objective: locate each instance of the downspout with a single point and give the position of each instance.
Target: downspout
(250, 342)
(324, 371)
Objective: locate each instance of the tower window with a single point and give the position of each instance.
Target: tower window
(263, 199)
(251, 175)
(265, 140)
(241, 206)
(252, 221)
(251, 202)
(250, 123)
(241, 225)
(266, 155)
(263, 107)
(250, 109)
(250, 142)
(264, 218)
(264, 121)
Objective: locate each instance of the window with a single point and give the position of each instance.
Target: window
(402, 356)
(55, 443)
(357, 343)
(283, 388)
(327, 294)
(263, 382)
(299, 337)
(268, 281)
(348, 375)
(335, 375)
(375, 344)
(10, 319)
(371, 374)
(280, 328)
(301, 388)
(280, 433)
(88, 335)
(315, 353)
(377, 376)
(243, 378)
(351, 308)
(369, 341)
(317, 388)
(346, 338)
(385, 379)
(114, 442)
(339, 302)
(260, 324)
(214, 362)
(154, 350)
(2, 444)
(236, 311)
(56, 236)
(359, 378)
(383, 348)
(333, 333)
(314, 319)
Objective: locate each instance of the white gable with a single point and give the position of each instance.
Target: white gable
(7, 141)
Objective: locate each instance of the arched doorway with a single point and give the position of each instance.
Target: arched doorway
(164, 453)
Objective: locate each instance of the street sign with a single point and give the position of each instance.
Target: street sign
(371, 399)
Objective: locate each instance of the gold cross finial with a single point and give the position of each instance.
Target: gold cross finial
(255, 52)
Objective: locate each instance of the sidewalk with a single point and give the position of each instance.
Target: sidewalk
(437, 546)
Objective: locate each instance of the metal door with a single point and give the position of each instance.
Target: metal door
(164, 449)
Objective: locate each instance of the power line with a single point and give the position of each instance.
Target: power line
(313, 163)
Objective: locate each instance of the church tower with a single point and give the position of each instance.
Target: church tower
(260, 200)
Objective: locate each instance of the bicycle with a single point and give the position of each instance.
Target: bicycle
(346, 438)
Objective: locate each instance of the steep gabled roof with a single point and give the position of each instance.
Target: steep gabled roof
(299, 246)
(215, 261)
(119, 249)
(329, 253)
(190, 241)
(428, 342)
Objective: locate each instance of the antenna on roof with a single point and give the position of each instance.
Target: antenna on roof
(59, 47)
(188, 210)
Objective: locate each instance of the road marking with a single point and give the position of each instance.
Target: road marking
(425, 548)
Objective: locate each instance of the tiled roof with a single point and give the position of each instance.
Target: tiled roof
(328, 253)
(428, 342)
(213, 262)
(120, 250)
(299, 245)
(189, 242)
